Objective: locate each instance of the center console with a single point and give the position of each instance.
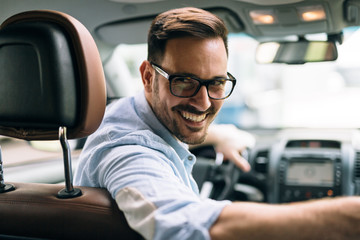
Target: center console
(309, 174)
(310, 167)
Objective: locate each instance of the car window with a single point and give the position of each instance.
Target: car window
(34, 152)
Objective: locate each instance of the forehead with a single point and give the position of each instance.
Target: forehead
(202, 57)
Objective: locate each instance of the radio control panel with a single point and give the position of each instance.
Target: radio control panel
(309, 176)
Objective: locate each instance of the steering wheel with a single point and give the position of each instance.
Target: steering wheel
(215, 178)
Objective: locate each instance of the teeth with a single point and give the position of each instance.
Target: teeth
(193, 117)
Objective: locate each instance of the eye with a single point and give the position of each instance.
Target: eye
(184, 80)
(218, 83)
(187, 80)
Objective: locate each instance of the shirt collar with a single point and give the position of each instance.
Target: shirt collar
(145, 112)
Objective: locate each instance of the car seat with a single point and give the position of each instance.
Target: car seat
(52, 86)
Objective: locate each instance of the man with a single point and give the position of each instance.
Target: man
(140, 154)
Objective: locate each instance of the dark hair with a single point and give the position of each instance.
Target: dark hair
(183, 22)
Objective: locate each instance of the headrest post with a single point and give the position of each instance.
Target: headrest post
(69, 190)
(3, 186)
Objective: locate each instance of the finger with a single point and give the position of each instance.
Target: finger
(239, 161)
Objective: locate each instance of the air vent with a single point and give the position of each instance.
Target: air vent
(357, 174)
(357, 166)
(261, 161)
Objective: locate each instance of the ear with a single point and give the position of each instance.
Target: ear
(147, 76)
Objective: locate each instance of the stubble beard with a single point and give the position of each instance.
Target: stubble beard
(161, 111)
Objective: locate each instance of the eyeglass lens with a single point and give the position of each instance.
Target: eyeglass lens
(186, 87)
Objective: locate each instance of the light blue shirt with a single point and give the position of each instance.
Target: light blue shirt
(148, 173)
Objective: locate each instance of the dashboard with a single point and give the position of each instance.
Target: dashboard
(302, 164)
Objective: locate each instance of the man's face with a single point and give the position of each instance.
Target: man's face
(188, 118)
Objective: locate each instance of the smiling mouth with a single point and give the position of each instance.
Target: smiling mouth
(193, 117)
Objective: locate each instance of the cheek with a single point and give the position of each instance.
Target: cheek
(173, 101)
(217, 105)
(167, 98)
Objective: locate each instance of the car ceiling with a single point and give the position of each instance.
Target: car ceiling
(110, 21)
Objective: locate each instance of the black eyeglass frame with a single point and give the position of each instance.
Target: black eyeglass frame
(201, 82)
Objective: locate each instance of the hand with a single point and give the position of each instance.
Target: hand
(231, 142)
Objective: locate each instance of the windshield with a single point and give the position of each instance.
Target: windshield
(323, 95)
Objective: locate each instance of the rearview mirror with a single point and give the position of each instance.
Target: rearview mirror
(296, 52)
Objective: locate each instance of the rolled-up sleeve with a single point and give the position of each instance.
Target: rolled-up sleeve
(155, 198)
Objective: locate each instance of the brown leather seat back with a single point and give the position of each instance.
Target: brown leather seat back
(34, 211)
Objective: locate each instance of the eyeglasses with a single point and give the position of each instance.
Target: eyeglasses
(188, 86)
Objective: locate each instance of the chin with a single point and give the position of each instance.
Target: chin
(196, 138)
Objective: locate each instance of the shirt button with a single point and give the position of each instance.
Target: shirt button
(190, 158)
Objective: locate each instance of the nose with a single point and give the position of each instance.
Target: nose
(201, 100)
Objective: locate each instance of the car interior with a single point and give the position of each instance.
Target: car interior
(63, 61)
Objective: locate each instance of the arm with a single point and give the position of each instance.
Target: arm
(156, 197)
(230, 141)
(337, 218)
